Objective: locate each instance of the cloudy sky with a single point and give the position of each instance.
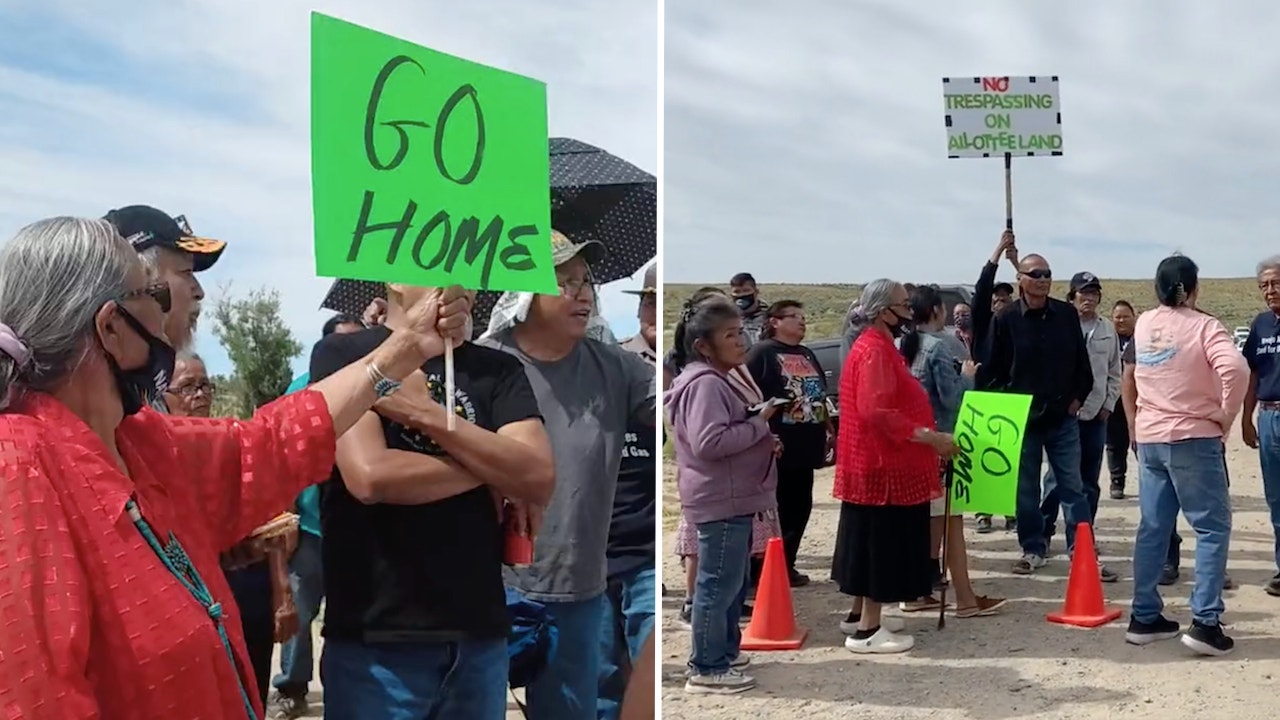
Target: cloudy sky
(809, 145)
(200, 107)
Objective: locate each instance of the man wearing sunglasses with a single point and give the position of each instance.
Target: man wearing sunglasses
(172, 254)
(1038, 349)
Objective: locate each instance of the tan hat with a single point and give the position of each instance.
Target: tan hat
(563, 249)
(650, 282)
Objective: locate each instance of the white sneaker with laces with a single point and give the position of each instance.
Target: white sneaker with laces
(731, 682)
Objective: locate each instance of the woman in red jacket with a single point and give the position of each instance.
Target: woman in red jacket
(886, 472)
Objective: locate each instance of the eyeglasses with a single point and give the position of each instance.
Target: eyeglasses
(792, 316)
(574, 288)
(157, 291)
(1039, 274)
(193, 389)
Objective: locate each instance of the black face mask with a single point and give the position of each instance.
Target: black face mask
(901, 325)
(744, 302)
(152, 377)
(964, 322)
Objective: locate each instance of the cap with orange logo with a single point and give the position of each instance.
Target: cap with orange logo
(147, 227)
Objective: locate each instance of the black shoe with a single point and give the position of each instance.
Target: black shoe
(1168, 575)
(1140, 633)
(1107, 575)
(686, 614)
(1273, 586)
(1208, 639)
(1011, 524)
(1117, 490)
(798, 579)
(984, 524)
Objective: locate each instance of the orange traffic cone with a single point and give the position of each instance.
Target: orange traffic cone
(1084, 605)
(773, 621)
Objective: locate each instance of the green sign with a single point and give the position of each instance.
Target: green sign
(989, 432)
(426, 169)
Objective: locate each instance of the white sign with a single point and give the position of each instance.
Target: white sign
(994, 116)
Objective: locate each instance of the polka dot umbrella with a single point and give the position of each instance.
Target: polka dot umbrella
(594, 196)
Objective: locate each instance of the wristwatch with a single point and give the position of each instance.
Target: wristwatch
(382, 385)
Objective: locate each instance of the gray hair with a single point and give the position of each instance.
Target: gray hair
(189, 356)
(55, 275)
(1271, 263)
(876, 297)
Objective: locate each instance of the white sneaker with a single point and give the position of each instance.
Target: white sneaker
(887, 622)
(882, 643)
(740, 662)
(730, 682)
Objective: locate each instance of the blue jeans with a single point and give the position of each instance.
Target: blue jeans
(1269, 457)
(1061, 442)
(306, 576)
(724, 550)
(415, 681)
(1191, 474)
(628, 622)
(1093, 441)
(568, 688)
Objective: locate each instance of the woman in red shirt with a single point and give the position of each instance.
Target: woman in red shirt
(112, 515)
(886, 472)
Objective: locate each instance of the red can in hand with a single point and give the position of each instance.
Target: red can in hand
(517, 547)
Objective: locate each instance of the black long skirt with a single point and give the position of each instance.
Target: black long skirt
(882, 552)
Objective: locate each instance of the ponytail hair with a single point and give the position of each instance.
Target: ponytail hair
(682, 338)
(925, 301)
(1177, 277)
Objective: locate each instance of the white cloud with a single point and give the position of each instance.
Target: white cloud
(201, 107)
(808, 145)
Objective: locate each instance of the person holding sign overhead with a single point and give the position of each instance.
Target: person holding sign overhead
(590, 394)
(1037, 349)
(886, 473)
(114, 514)
(1191, 382)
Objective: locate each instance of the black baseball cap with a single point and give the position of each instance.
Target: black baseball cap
(1083, 280)
(147, 227)
(1002, 287)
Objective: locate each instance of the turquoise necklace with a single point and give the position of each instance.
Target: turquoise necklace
(176, 560)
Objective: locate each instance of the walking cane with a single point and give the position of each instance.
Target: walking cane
(946, 532)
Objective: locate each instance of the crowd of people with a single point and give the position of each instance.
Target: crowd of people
(139, 581)
(748, 405)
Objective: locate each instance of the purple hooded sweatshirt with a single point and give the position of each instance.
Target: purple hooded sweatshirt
(725, 458)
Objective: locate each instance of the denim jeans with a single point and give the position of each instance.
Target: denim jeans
(1191, 474)
(721, 587)
(415, 681)
(1061, 443)
(1093, 439)
(628, 622)
(1269, 457)
(569, 687)
(306, 575)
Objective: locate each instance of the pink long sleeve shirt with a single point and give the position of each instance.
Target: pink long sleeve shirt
(1191, 378)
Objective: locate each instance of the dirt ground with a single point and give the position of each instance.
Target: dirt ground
(1015, 665)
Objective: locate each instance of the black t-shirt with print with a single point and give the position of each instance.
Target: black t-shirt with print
(793, 371)
(420, 573)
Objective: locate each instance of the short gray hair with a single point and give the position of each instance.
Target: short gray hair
(1271, 263)
(876, 297)
(189, 356)
(55, 275)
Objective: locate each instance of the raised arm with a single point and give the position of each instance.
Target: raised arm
(44, 611)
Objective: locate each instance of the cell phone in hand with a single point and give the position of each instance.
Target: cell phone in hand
(771, 402)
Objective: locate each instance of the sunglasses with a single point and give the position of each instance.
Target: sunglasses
(156, 291)
(1039, 274)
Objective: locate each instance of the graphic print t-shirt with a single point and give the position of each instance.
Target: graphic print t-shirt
(420, 573)
(793, 371)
